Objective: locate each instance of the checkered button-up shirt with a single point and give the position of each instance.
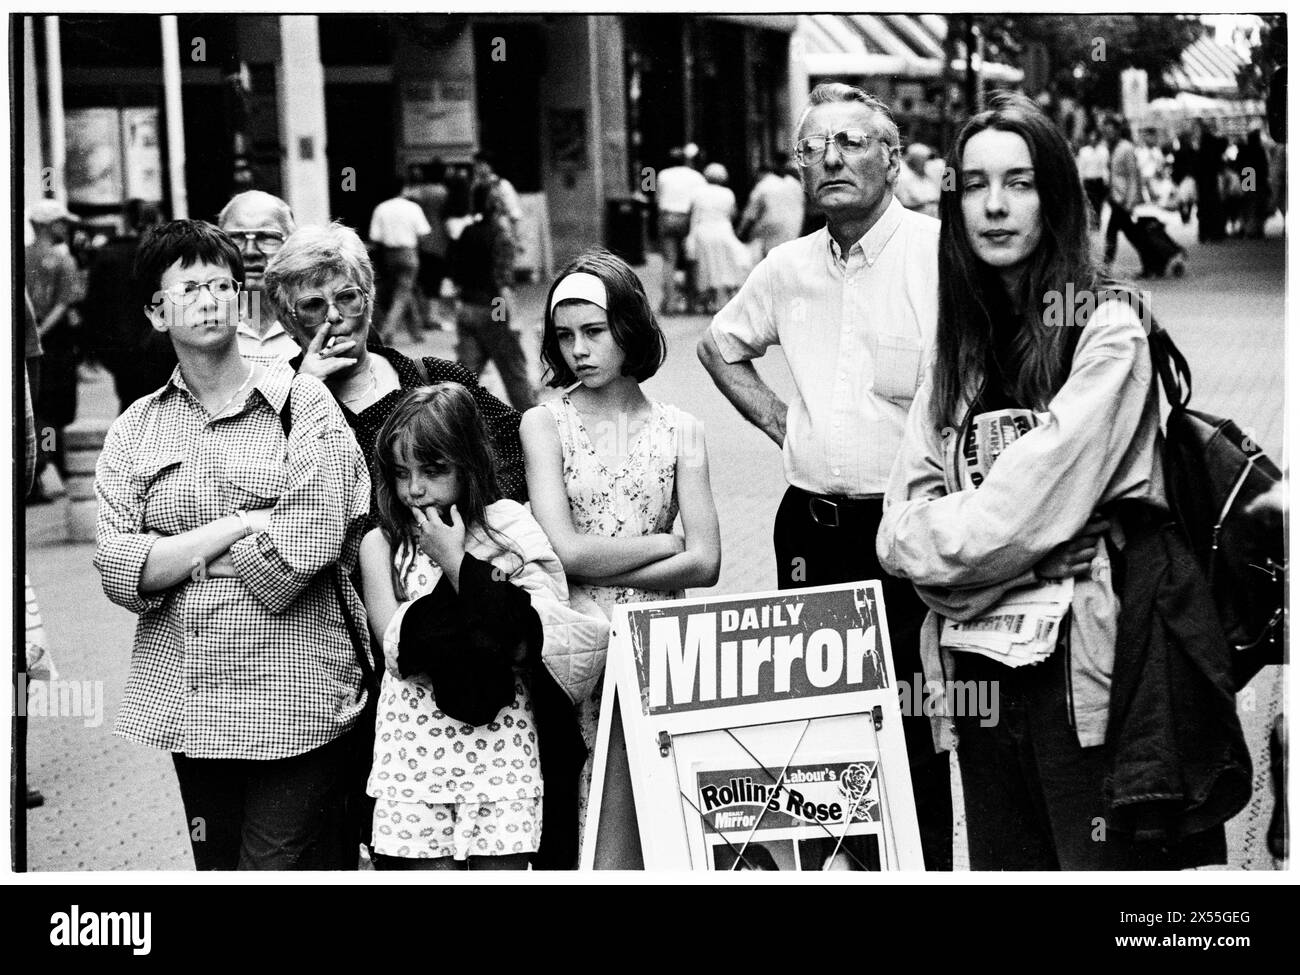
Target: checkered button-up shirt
(260, 666)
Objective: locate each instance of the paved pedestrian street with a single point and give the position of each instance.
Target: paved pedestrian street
(114, 805)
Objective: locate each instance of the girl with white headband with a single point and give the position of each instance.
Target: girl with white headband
(609, 470)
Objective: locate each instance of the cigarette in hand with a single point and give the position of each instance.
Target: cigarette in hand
(330, 343)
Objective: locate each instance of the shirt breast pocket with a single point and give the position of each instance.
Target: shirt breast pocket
(165, 494)
(254, 482)
(898, 368)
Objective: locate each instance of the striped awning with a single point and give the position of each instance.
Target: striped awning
(900, 45)
(1206, 68)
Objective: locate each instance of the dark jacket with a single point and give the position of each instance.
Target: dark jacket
(1177, 766)
(467, 642)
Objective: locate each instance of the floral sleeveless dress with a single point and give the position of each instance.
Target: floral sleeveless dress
(638, 496)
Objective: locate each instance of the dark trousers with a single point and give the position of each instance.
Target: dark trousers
(483, 336)
(1120, 219)
(811, 553)
(282, 814)
(1095, 189)
(1034, 798)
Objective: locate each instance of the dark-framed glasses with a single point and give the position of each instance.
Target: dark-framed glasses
(849, 142)
(267, 242)
(187, 292)
(314, 309)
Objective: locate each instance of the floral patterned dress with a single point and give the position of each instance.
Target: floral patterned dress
(638, 496)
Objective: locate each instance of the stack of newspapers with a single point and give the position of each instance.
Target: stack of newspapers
(1023, 626)
(1021, 629)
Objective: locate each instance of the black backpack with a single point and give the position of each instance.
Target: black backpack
(1229, 500)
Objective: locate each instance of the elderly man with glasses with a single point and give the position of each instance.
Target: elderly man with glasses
(854, 308)
(259, 223)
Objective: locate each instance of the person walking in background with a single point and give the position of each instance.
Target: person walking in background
(914, 189)
(675, 185)
(1208, 171)
(396, 227)
(721, 261)
(1094, 171)
(485, 174)
(1256, 185)
(1184, 174)
(430, 192)
(482, 266)
(54, 286)
(138, 356)
(1125, 189)
(774, 212)
(853, 308)
(260, 224)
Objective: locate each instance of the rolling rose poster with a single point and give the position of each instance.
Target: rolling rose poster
(802, 645)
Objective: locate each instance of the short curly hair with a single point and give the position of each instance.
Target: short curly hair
(310, 257)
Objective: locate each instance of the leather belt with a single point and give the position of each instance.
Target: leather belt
(830, 511)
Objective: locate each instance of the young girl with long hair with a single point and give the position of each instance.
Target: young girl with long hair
(454, 578)
(1014, 246)
(609, 470)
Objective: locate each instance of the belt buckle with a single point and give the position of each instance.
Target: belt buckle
(834, 520)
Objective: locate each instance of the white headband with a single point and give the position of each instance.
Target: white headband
(583, 287)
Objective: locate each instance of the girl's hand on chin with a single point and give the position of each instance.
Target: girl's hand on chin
(445, 544)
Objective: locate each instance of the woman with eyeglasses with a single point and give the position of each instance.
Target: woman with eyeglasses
(322, 286)
(221, 531)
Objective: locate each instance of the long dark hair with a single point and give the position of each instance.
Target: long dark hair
(973, 301)
(437, 425)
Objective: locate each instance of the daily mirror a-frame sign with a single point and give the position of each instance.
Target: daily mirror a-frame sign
(762, 732)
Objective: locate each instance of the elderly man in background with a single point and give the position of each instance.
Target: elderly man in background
(854, 307)
(259, 223)
(675, 186)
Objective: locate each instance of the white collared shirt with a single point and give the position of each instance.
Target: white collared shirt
(856, 334)
(275, 344)
(398, 222)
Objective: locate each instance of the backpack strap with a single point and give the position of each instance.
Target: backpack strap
(423, 370)
(368, 674)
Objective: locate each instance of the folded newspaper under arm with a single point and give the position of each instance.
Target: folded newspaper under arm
(1023, 627)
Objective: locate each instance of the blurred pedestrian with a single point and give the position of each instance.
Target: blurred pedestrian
(1094, 170)
(722, 262)
(774, 212)
(138, 356)
(1125, 188)
(485, 172)
(234, 548)
(1256, 185)
(396, 228)
(430, 192)
(914, 189)
(1207, 169)
(54, 285)
(482, 265)
(674, 187)
(1183, 174)
(259, 223)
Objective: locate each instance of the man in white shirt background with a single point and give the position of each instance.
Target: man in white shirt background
(854, 308)
(396, 227)
(675, 185)
(260, 223)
